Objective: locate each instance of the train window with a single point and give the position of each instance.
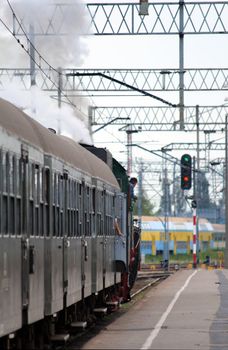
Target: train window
(69, 193)
(3, 172)
(60, 192)
(40, 185)
(54, 182)
(41, 231)
(88, 212)
(31, 218)
(68, 228)
(61, 225)
(18, 177)
(12, 216)
(36, 185)
(36, 222)
(77, 223)
(98, 225)
(47, 218)
(94, 200)
(4, 215)
(75, 206)
(46, 187)
(57, 209)
(7, 165)
(10, 174)
(31, 180)
(18, 217)
(57, 222)
(1, 189)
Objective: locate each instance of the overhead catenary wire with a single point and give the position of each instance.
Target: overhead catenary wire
(103, 75)
(41, 58)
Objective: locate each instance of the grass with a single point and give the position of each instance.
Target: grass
(214, 254)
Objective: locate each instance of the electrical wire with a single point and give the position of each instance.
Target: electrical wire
(41, 58)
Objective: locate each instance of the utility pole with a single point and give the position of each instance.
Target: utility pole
(194, 218)
(226, 194)
(140, 191)
(32, 55)
(173, 194)
(129, 133)
(181, 63)
(60, 86)
(196, 170)
(166, 224)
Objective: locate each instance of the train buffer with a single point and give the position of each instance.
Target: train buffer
(100, 311)
(60, 338)
(78, 325)
(112, 305)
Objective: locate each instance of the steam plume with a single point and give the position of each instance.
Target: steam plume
(59, 51)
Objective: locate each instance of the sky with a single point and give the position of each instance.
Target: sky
(148, 51)
(109, 52)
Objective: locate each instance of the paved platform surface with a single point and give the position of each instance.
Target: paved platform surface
(189, 310)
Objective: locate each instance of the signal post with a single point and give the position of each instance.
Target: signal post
(186, 184)
(194, 234)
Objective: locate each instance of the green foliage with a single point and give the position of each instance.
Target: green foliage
(147, 206)
(187, 258)
(204, 200)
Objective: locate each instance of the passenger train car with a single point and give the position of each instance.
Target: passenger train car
(59, 254)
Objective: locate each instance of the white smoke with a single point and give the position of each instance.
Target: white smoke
(59, 51)
(40, 107)
(47, 16)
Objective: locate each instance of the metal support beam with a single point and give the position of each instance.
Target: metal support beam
(181, 64)
(195, 79)
(123, 18)
(226, 193)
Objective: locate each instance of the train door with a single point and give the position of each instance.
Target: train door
(34, 227)
(87, 239)
(109, 239)
(100, 239)
(94, 238)
(38, 228)
(85, 244)
(65, 241)
(121, 242)
(54, 242)
(73, 244)
(10, 244)
(25, 237)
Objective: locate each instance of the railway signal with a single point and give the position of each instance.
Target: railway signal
(186, 172)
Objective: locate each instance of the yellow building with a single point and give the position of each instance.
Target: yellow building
(179, 232)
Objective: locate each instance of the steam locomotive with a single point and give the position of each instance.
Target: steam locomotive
(60, 257)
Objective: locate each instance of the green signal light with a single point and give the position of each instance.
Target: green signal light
(187, 159)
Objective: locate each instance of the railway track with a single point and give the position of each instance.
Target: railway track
(145, 280)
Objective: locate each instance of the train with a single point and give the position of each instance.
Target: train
(60, 255)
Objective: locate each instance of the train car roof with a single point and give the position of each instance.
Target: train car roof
(18, 123)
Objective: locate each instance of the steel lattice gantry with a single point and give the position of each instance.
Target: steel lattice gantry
(193, 146)
(178, 18)
(196, 79)
(123, 19)
(149, 118)
(163, 118)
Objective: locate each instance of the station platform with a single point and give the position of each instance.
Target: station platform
(188, 310)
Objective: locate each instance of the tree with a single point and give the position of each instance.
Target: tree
(203, 192)
(165, 202)
(178, 198)
(147, 206)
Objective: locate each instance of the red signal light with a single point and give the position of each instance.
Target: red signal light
(186, 172)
